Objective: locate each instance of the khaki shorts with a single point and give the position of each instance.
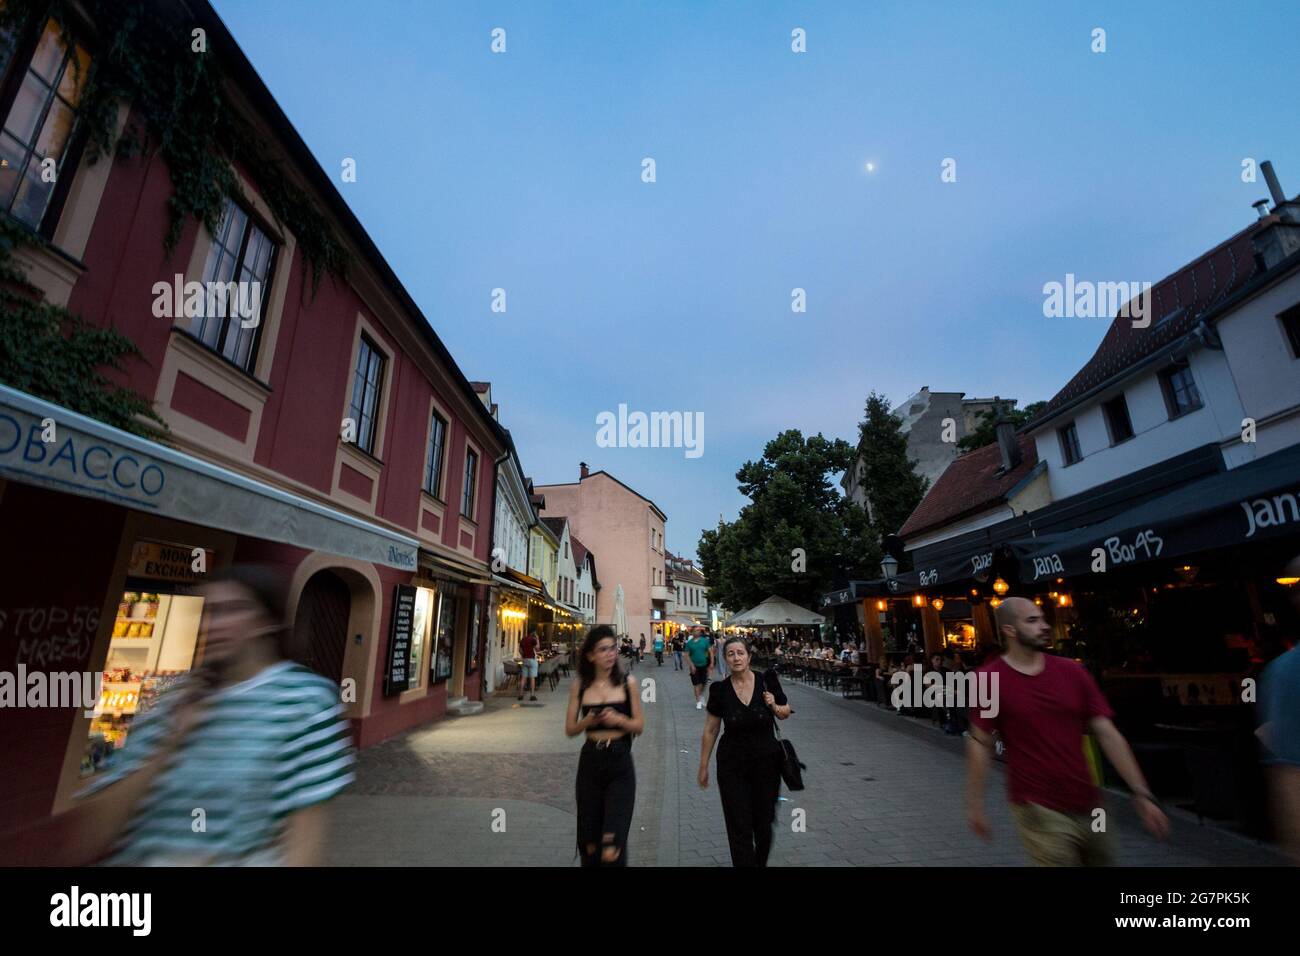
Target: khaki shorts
(1053, 838)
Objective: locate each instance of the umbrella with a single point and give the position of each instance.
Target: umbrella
(620, 613)
(775, 612)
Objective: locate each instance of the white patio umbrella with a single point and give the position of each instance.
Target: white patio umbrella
(775, 612)
(620, 612)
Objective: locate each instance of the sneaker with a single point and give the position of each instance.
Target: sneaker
(532, 696)
(699, 705)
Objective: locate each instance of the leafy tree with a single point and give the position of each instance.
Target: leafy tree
(793, 505)
(889, 479)
(986, 433)
(51, 353)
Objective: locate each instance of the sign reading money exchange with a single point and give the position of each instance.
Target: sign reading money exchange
(49, 446)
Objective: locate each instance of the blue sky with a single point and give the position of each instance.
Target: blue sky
(522, 171)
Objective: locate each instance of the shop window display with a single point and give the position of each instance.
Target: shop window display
(155, 641)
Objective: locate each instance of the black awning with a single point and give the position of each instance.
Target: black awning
(1255, 502)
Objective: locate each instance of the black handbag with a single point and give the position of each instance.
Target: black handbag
(791, 767)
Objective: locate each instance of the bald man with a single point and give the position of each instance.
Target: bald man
(1046, 704)
(1279, 710)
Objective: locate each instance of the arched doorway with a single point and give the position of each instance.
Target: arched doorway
(321, 624)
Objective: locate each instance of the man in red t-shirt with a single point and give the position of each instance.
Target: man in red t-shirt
(528, 668)
(1044, 707)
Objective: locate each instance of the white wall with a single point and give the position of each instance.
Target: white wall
(1265, 369)
(1155, 437)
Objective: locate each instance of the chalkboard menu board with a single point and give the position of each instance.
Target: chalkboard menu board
(398, 677)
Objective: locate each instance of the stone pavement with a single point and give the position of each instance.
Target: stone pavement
(882, 790)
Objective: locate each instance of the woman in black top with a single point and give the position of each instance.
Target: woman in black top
(749, 757)
(604, 704)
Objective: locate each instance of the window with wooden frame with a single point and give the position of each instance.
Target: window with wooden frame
(367, 380)
(1070, 451)
(41, 138)
(239, 267)
(1181, 394)
(433, 455)
(468, 488)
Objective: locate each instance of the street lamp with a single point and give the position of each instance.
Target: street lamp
(889, 565)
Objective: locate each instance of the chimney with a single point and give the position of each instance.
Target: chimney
(1279, 239)
(582, 470)
(1007, 442)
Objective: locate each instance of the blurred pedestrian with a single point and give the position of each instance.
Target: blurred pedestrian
(1043, 708)
(234, 763)
(1279, 709)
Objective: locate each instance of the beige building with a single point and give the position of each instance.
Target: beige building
(626, 530)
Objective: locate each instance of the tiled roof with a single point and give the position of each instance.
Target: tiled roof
(556, 525)
(973, 482)
(1177, 303)
(579, 551)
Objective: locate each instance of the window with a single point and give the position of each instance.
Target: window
(1070, 444)
(1290, 320)
(467, 490)
(1180, 391)
(1117, 420)
(237, 275)
(40, 135)
(433, 456)
(366, 382)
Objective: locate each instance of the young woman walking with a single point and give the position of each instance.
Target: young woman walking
(604, 705)
(749, 756)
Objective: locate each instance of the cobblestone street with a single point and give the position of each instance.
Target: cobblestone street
(882, 790)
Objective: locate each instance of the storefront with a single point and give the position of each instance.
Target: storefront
(108, 536)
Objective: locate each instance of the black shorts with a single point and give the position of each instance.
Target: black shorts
(700, 675)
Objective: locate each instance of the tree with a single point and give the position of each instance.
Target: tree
(51, 353)
(796, 534)
(893, 488)
(986, 429)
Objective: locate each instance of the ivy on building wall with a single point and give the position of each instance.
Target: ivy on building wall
(49, 352)
(147, 55)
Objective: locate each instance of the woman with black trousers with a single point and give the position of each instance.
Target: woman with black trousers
(604, 704)
(749, 756)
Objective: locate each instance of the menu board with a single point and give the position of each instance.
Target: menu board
(398, 677)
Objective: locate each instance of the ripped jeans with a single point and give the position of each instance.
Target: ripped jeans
(606, 793)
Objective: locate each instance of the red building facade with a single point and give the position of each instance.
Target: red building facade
(323, 430)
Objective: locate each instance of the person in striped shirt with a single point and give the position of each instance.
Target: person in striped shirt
(233, 765)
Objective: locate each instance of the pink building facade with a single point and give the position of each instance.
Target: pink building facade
(626, 530)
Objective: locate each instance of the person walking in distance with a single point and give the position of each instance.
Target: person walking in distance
(528, 669)
(604, 704)
(1043, 705)
(678, 644)
(718, 656)
(749, 756)
(640, 651)
(659, 648)
(699, 652)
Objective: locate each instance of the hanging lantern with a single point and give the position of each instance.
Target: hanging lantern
(1038, 601)
(1001, 587)
(881, 605)
(1288, 582)
(918, 600)
(1063, 600)
(995, 602)
(937, 604)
